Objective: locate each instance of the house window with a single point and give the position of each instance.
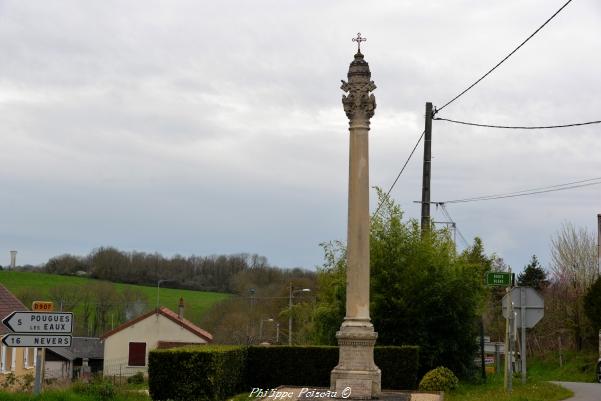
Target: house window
(137, 354)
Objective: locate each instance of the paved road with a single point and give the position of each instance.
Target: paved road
(583, 391)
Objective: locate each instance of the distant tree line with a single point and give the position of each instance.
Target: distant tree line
(210, 273)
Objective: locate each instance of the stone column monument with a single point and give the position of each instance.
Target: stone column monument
(356, 369)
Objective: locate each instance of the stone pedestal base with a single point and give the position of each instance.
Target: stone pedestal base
(356, 371)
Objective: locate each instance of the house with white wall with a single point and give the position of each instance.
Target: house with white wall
(126, 347)
(18, 361)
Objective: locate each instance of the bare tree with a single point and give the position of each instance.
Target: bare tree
(574, 257)
(574, 270)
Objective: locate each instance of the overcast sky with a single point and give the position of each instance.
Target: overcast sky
(209, 127)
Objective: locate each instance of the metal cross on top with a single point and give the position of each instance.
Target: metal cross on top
(359, 39)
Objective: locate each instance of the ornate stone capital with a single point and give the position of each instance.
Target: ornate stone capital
(359, 103)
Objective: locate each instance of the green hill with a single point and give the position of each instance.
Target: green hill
(197, 302)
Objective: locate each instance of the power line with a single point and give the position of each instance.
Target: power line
(533, 191)
(529, 190)
(518, 127)
(400, 172)
(502, 61)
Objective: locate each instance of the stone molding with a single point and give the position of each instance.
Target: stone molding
(359, 104)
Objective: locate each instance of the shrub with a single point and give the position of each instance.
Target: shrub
(26, 382)
(439, 379)
(138, 378)
(9, 381)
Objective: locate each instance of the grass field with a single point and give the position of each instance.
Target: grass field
(197, 302)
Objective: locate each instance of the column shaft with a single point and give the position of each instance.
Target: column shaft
(357, 299)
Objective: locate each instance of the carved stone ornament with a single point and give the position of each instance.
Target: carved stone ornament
(359, 103)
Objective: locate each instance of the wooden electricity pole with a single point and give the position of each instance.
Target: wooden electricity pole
(425, 223)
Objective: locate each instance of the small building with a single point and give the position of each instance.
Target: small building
(18, 361)
(126, 347)
(84, 357)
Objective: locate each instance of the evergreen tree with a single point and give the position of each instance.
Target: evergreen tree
(533, 275)
(422, 292)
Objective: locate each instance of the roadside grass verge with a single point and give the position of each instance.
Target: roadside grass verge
(493, 391)
(577, 366)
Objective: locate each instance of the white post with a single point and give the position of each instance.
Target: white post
(13, 361)
(3, 358)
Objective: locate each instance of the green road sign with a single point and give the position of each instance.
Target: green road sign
(498, 278)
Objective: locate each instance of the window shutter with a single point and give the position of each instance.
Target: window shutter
(137, 354)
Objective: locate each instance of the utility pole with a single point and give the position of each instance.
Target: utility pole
(427, 170)
(508, 355)
(599, 244)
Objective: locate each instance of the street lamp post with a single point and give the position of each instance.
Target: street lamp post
(249, 327)
(292, 292)
(261, 327)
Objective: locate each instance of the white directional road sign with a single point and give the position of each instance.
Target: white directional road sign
(533, 303)
(36, 340)
(40, 322)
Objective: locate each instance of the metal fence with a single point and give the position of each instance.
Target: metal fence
(119, 370)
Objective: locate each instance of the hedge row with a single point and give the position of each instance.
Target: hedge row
(197, 373)
(213, 373)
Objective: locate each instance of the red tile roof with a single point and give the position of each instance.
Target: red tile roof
(8, 304)
(169, 314)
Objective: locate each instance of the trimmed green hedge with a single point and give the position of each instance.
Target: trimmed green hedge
(213, 373)
(399, 366)
(207, 373)
(273, 366)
